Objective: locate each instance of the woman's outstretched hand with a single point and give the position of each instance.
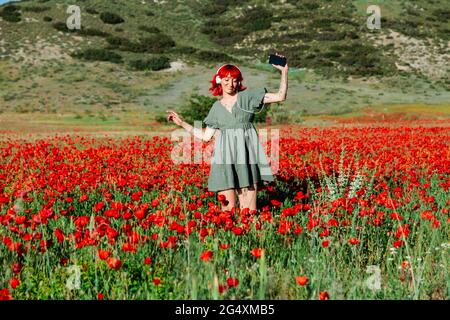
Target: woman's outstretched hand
(173, 116)
(281, 68)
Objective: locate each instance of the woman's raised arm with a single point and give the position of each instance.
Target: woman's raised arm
(282, 93)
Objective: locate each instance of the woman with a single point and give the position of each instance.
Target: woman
(239, 163)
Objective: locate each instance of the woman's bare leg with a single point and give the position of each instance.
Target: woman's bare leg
(247, 197)
(230, 196)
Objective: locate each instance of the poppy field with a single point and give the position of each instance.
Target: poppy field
(355, 212)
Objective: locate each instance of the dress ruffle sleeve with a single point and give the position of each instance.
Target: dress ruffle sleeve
(255, 97)
(211, 119)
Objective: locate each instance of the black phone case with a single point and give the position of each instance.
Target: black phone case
(274, 59)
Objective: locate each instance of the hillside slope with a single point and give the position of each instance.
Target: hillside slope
(110, 66)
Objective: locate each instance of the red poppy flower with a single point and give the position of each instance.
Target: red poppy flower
(237, 230)
(103, 254)
(14, 282)
(114, 263)
(5, 295)
(140, 213)
(398, 243)
(257, 252)
(99, 206)
(155, 203)
(224, 246)
(403, 231)
(221, 197)
(302, 280)
(17, 267)
(323, 295)
(206, 255)
(100, 296)
(147, 260)
(353, 241)
(222, 288)
(275, 203)
(59, 235)
(232, 282)
(325, 243)
(157, 281)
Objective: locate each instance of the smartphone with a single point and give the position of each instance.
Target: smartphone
(274, 59)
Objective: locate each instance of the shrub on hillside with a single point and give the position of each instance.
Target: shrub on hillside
(156, 43)
(11, 13)
(184, 50)
(35, 9)
(92, 32)
(47, 19)
(98, 55)
(212, 55)
(255, 19)
(62, 26)
(111, 18)
(154, 64)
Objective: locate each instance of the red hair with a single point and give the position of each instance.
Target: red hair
(224, 71)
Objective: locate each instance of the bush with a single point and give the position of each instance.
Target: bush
(11, 13)
(213, 9)
(442, 14)
(153, 64)
(184, 50)
(48, 19)
(62, 26)
(197, 108)
(98, 55)
(92, 32)
(111, 18)
(118, 42)
(255, 19)
(156, 43)
(213, 56)
(35, 9)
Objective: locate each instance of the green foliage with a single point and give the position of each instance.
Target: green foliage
(213, 55)
(224, 31)
(47, 19)
(35, 9)
(184, 50)
(92, 32)
(111, 18)
(155, 43)
(154, 64)
(98, 55)
(11, 13)
(197, 108)
(84, 31)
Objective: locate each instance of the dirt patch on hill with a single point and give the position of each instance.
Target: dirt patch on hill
(425, 56)
(39, 52)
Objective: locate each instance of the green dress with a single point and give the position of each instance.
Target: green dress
(239, 159)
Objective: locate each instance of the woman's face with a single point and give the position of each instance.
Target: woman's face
(229, 84)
